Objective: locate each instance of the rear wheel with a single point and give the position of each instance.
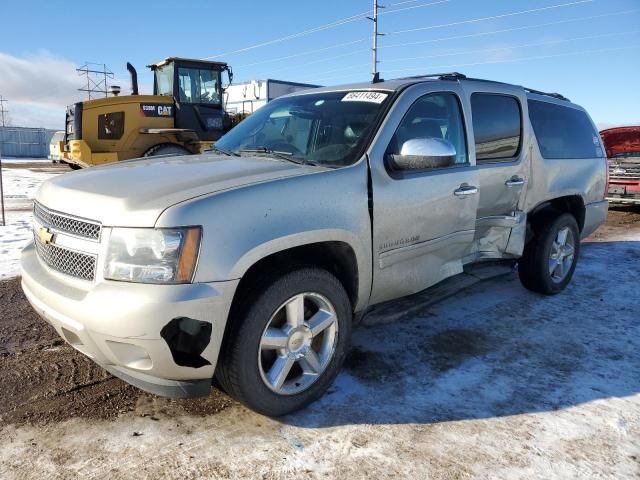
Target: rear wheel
(166, 149)
(289, 345)
(550, 258)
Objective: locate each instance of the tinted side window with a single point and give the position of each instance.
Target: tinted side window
(497, 124)
(563, 132)
(111, 126)
(198, 86)
(436, 115)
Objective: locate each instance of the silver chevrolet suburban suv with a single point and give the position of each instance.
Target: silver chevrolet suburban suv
(249, 263)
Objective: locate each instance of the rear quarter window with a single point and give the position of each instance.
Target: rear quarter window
(563, 132)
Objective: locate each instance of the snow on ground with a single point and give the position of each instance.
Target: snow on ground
(20, 186)
(493, 382)
(25, 160)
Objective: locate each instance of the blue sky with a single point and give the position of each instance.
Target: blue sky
(587, 50)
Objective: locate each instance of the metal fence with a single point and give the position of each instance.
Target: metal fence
(25, 142)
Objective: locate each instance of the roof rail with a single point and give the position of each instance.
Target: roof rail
(548, 94)
(441, 76)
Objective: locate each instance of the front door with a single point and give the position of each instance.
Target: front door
(423, 221)
(198, 102)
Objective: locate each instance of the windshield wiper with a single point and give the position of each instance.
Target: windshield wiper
(282, 155)
(224, 152)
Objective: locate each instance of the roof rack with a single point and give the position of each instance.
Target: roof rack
(554, 95)
(440, 76)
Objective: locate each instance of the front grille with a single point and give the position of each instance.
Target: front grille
(69, 262)
(624, 168)
(65, 223)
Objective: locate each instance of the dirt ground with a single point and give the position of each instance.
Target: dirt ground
(480, 385)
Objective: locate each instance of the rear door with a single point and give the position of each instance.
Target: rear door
(423, 221)
(503, 165)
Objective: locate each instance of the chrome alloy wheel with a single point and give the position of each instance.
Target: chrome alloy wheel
(298, 343)
(561, 255)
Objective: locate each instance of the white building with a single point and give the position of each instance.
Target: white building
(247, 97)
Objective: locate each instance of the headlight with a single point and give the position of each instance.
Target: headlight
(152, 255)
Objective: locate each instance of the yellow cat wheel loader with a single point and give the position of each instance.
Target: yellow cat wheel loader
(184, 115)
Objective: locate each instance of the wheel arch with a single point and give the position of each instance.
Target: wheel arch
(573, 204)
(151, 151)
(337, 257)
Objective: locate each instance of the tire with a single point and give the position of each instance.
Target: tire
(249, 360)
(545, 267)
(166, 149)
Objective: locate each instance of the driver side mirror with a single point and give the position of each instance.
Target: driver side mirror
(423, 154)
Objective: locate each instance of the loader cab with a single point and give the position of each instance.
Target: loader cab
(196, 87)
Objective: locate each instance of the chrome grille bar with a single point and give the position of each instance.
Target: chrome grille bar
(67, 223)
(69, 262)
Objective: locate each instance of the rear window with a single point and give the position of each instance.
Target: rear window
(496, 127)
(563, 132)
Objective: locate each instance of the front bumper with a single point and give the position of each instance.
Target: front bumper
(122, 326)
(79, 152)
(624, 191)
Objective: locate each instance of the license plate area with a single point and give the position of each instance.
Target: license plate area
(617, 189)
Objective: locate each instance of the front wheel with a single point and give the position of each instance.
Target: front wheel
(550, 258)
(289, 345)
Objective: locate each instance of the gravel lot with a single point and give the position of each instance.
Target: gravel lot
(490, 382)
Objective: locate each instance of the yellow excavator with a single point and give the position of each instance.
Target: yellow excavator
(184, 115)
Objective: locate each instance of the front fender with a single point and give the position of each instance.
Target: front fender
(246, 224)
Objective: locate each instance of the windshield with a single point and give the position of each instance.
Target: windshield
(328, 129)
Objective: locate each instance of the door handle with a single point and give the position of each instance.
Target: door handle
(514, 181)
(465, 190)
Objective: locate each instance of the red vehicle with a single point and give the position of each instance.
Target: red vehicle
(623, 151)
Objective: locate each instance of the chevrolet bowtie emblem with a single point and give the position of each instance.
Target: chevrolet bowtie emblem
(45, 235)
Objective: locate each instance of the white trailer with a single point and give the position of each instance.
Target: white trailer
(247, 97)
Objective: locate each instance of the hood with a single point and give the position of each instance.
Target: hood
(135, 192)
(621, 140)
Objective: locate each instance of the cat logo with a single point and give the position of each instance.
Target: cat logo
(156, 110)
(45, 235)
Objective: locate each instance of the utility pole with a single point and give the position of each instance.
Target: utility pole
(374, 46)
(2, 110)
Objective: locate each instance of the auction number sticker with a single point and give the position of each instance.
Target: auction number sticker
(373, 97)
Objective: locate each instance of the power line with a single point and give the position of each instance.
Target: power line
(301, 54)
(493, 17)
(292, 36)
(326, 26)
(536, 57)
(509, 47)
(413, 7)
(504, 30)
(492, 62)
(313, 62)
(354, 52)
(441, 39)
